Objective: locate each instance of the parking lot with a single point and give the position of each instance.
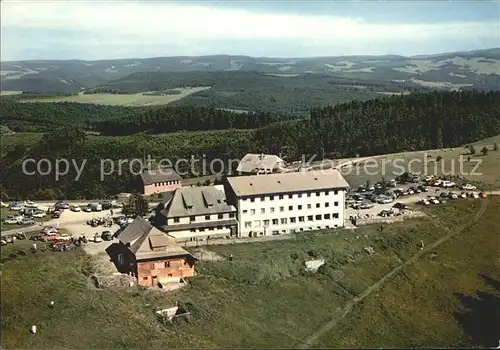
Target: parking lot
(364, 209)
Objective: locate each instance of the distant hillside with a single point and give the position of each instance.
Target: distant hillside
(467, 70)
(245, 91)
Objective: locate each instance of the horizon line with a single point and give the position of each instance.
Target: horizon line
(257, 57)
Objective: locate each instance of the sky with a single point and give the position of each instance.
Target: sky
(92, 30)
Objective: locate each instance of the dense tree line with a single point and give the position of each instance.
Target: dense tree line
(392, 124)
(398, 123)
(172, 119)
(120, 121)
(42, 116)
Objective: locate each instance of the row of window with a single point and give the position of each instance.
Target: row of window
(290, 208)
(292, 220)
(166, 183)
(207, 217)
(290, 196)
(210, 228)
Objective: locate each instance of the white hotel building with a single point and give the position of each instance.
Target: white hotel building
(287, 202)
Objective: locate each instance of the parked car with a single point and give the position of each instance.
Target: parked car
(27, 222)
(61, 205)
(16, 207)
(11, 221)
(423, 201)
(20, 235)
(30, 204)
(88, 209)
(386, 213)
(356, 197)
(107, 236)
(39, 214)
(483, 195)
(365, 206)
(354, 206)
(7, 240)
(433, 200)
(76, 208)
(64, 237)
(106, 205)
(385, 200)
(448, 184)
(452, 195)
(400, 205)
(49, 238)
(443, 195)
(415, 190)
(463, 195)
(473, 195)
(468, 187)
(408, 192)
(423, 188)
(62, 246)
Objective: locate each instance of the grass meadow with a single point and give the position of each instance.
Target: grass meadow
(481, 169)
(139, 99)
(265, 298)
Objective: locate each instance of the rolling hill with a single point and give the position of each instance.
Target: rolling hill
(466, 70)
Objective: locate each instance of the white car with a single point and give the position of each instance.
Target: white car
(448, 184)
(463, 195)
(385, 200)
(39, 215)
(423, 201)
(76, 208)
(16, 207)
(97, 238)
(433, 200)
(64, 237)
(11, 221)
(469, 187)
(87, 210)
(30, 204)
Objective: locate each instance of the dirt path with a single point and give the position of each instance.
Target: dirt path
(350, 305)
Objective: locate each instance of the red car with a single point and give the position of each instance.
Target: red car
(49, 238)
(483, 195)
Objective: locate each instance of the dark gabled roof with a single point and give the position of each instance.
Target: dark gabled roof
(150, 177)
(147, 242)
(134, 230)
(193, 201)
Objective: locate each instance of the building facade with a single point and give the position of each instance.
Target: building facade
(150, 255)
(197, 213)
(159, 180)
(288, 202)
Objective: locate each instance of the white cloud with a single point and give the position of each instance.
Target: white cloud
(156, 23)
(187, 21)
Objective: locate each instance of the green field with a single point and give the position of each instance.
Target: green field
(9, 92)
(486, 174)
(264, 298)
(138, 99)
